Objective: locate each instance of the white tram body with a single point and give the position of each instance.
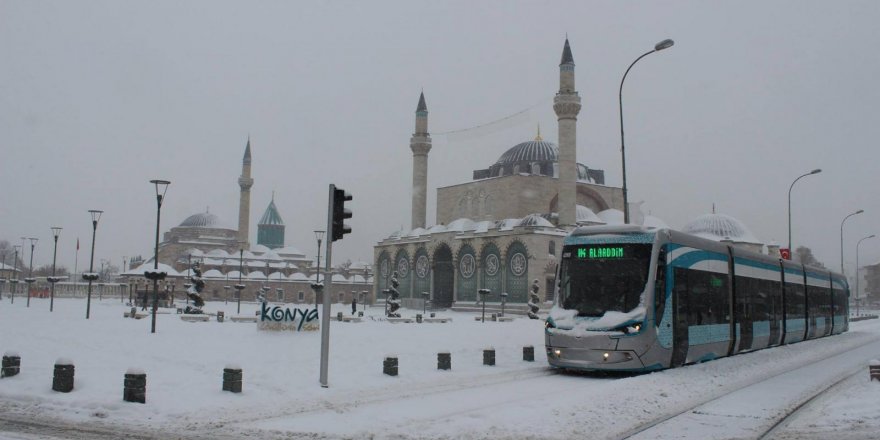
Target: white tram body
(630, 298)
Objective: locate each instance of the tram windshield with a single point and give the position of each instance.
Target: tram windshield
(596, 279)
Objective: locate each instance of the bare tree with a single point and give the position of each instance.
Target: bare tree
(804, 255)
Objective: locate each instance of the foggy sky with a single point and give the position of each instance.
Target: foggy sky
(99, 97)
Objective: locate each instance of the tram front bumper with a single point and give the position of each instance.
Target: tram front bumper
(592, 359)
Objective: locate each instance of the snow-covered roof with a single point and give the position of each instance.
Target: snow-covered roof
(437, 228)
(259, 249)
(535, 221)
(298, 276)
(277, 276)
(508, 224)
(720, 227)
(483, 226)
(213, 273)
(234, 274)
(148, 267)
(611, 216)
(358, 279)
(8, 267)
(461, 225)
(218, 253)
(256, 275)
(290, 251)
(416, 232)
(339, 278)
(586, 216)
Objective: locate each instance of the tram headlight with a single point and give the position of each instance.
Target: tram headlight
(557, 352)
(605, 356)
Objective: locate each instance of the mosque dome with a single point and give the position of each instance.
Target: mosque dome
(535, 221)
(720, 227)
(203, 220)
(537, 150)
(585, 216)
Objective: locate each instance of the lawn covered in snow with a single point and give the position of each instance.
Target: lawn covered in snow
(282, 397)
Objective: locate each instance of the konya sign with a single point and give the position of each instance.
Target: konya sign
(285, 318)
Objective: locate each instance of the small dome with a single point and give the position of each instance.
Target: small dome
(720, 227)
(508, 224)
(436, 228)
(461, 225)
(611, 216)
(654, 222)
(203, 220)
(416, 232)
(220, 253)
(586, 216)
(213, 273)
(531, 151)
(259, 249)
(299, 276)
(535, 221)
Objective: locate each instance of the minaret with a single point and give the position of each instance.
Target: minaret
(244, 204)
(420, 144)
(567, 104)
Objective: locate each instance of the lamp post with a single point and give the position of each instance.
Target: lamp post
(91, 276)
(858, 297)
(56, 231)
(503, 301)
(14, 281)
(4, 267)
(816, 171)
(30, 279)
(665, 44)
(841, 240)
(319, 235)
(425, 302)
(156, 275)
(364, 300)
(239, 287)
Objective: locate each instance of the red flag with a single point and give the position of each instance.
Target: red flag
(77, 243)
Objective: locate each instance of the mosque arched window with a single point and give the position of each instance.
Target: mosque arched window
(552, 249)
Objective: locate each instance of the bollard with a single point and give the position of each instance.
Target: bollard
(339, 316)
(489, 357)
(179, 311)
(873, 369)
(360, 314)
(62, 380)
(135, 386)
(529, 353)
(220, 316)
(494, 317)
(132, 312)
(11, 364)
(389, 366)
(232, 376)
(444, 360)
(433, 314)
(419, 318)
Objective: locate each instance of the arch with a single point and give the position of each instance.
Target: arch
(585, 196)
(491, 268)
(404, 272)
(517, 273)
(421, 272)
(383, 263)
(467, 274)
(444, 276)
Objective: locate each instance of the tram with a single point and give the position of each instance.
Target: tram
(637, 299)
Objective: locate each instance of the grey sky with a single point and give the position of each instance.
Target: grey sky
(97, 98)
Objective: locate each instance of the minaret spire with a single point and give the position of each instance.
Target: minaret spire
(420, 144)
(245, 182)
(567, 105)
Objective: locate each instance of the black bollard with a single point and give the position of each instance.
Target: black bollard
(232, 379)
(11, 364)
(444, 360)
(529, 353)
(135, 386)
(62, 380)
(489, 357)
(132, 312)
(220, 316)
(389, 366)
(339, 316)
(494, 317)
(360, 314)
(419, 318)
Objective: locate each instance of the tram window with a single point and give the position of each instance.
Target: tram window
(707, 296)
(794, 301)
(745, 297)
(660, 286)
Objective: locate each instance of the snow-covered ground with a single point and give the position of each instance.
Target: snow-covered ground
(282, 397)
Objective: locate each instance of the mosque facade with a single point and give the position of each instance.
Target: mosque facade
(503, 230)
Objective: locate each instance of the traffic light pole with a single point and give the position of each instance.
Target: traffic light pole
(328, 280)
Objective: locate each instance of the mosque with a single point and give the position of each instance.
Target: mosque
(227, 257)
(504, 229)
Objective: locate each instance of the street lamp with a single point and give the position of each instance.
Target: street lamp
(239, 287)
(319, 235)
(841, 240)
(665, 44)
(156, 275)
(858, 298)
(56, 231)
(30, 279)
(91, 276)
(816, 171)
(14, 281)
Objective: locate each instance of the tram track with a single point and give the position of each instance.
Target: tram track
(759, 423)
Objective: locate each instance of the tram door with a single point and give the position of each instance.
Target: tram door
(679, 319)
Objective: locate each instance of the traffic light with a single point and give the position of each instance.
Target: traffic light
(340, 213)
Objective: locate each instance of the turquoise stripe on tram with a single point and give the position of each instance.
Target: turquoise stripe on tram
(688, 259)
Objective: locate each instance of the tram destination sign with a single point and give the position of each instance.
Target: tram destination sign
(589, 253)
